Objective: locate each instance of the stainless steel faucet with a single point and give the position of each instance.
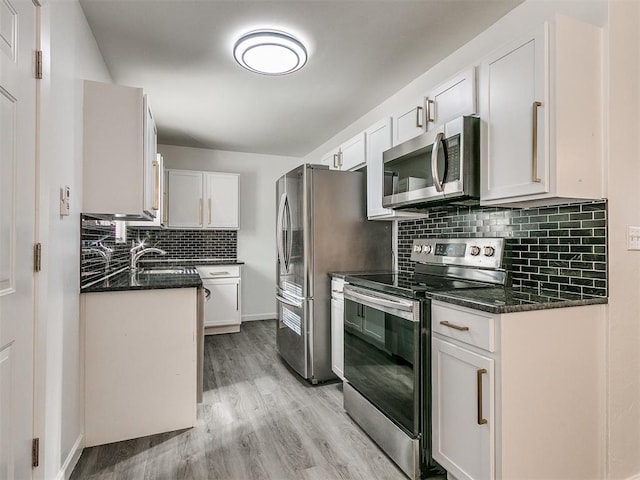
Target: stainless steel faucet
(104, 253)
(138, 251)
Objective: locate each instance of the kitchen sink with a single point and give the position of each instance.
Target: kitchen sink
(168, 271)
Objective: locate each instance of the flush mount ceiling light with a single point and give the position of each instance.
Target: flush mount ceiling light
(270, 52)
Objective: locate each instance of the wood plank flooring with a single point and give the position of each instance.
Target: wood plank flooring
(258, 420)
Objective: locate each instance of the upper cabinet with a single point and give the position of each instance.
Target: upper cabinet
(409, 122)
(119, 151)
(159, 197)
(349, 156)
(203, 200)
(452, 99)
(541, 107)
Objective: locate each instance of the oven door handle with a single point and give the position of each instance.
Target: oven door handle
(374, 300)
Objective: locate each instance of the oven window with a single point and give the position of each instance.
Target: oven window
(379, 361)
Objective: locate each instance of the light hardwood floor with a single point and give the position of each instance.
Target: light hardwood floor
(258, 421)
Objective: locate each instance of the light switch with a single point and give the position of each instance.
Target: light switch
(65, 193)
(633, 238)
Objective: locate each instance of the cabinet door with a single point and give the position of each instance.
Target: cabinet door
(352, 153)
(159, 177)
(514, 107)
(452, 99)
(223, 305)
(332, 159)
(378, 139)
(221, 200)
(337, 337)
(185, 199)
(151, 173)
(409, 122)
(463, 418)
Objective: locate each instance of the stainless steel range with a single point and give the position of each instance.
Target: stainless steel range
(387, 342)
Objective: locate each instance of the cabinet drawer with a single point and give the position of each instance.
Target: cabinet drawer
(473, 328)
(218, 271)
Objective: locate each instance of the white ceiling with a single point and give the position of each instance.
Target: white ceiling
(361, 52)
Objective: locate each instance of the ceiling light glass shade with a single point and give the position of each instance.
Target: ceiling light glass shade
(270, 52)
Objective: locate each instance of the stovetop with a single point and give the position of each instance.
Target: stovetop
(441, 265)
(406, 284)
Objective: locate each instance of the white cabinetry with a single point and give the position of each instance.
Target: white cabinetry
(337, 326)
(541, 106)
(349, 156)
(409, 122)
(454, 98)
(377, 140)
(222, 308)
(207, 200)
(140, 363)
(159, 199)
(511, 389)
(119, 151)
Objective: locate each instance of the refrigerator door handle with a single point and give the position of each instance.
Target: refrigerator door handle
(279, 220)
(286, 301)
(289, 234)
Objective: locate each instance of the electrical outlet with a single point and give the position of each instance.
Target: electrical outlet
(633, 238)
(65, 193)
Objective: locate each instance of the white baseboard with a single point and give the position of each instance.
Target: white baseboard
(72, 459)
(258, 316)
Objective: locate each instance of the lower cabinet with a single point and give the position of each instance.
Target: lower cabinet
(337, 327)
(463, 410)
(222, 307)
(518, 395)
(140, 363)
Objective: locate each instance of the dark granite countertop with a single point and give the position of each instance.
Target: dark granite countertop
(188, 262)
(123, 280)
(514, 299)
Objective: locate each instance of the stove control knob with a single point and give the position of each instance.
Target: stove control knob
(489, 251)
(475, 250)
(426, 248)
(417, 248)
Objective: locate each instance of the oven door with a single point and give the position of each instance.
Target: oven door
(382, 353)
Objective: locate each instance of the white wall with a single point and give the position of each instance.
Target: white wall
(71, 55)
(256, 238)
(624, 266)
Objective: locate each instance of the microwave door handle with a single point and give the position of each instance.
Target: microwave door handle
(437, 182)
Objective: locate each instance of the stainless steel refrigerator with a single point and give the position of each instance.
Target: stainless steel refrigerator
(321, 227)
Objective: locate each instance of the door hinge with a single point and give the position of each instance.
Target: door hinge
(37, 257)
(35, 452)
(39, 64)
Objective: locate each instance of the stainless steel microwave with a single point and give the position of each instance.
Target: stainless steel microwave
(437, 167)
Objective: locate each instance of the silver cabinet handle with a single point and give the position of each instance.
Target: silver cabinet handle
(534, 152)
(430, 110)
(156, 198)
(237, 297)
(437, 182)
(209, 211)
(336, 164)
(166, 207)
(419, 123)
(480, 372)
(200, 212)
(454, 326)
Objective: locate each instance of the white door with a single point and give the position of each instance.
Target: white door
(463, 415)
(223, 307)
(452, 99)
(409, 122)
(337, 336)
(352, 153)
(514, 108)
(186, 208)
(17, 219)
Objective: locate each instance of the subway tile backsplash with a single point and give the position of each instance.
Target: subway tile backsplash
(101, 254)
(561, 248)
